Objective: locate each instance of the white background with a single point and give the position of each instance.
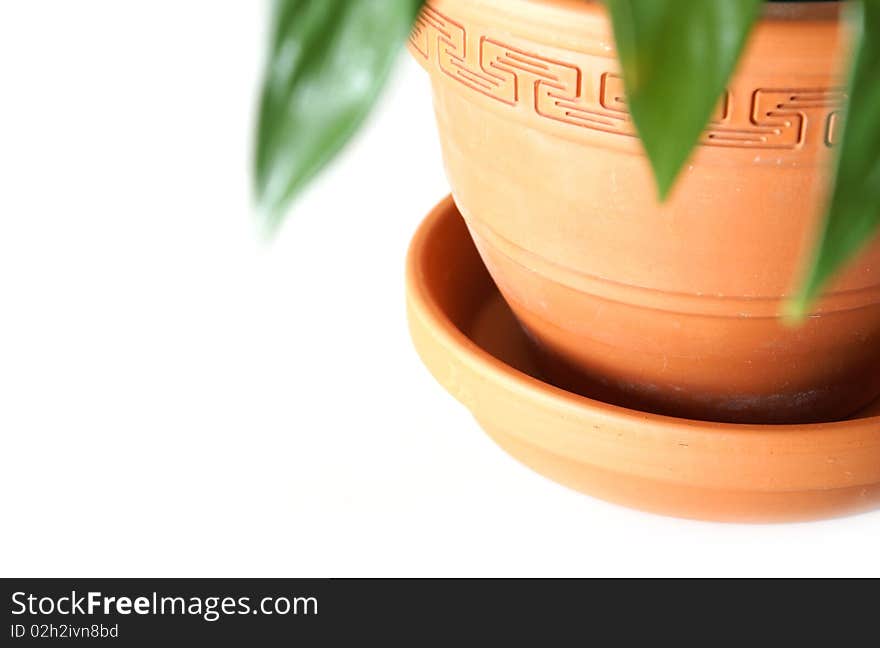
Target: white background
(179, 397)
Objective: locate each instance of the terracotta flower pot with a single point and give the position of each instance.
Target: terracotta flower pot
(673, 308)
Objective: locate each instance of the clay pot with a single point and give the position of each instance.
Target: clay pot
(672, 308)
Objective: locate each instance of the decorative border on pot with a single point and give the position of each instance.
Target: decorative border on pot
(776, 118)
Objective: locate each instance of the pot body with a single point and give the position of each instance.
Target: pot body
(676, 307)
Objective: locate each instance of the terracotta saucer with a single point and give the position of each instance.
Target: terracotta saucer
(470, 342)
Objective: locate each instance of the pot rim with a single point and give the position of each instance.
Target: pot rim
(795, 10)
(810, 34)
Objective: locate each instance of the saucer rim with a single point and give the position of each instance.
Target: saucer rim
(759, 458)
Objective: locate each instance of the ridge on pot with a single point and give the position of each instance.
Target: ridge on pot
(673, 308)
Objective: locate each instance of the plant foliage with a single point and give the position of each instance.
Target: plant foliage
(328, 60)
(676, 58)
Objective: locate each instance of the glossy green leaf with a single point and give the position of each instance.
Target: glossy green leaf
(854, 210)
(676, 57)
(328, 60)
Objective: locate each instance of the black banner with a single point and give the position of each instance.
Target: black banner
(269, 612)
(286, 612)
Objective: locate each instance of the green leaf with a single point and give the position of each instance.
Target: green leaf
(676, 57)
(327, 62)
(854, 210)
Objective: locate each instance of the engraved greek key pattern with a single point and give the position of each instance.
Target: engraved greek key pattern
(775, 118)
